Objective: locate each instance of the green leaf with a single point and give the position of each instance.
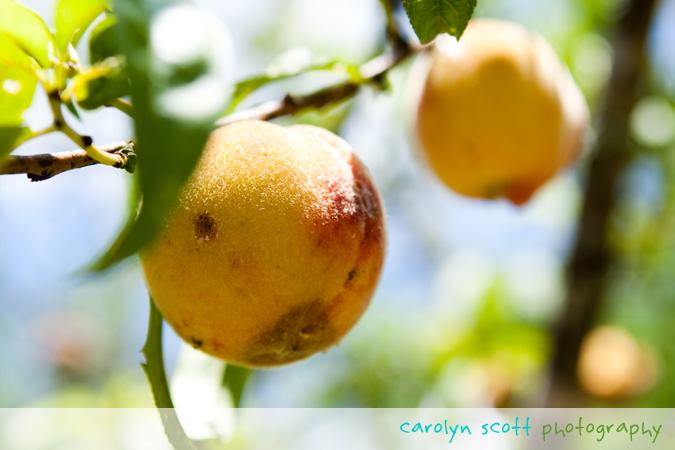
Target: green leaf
(234, 379)
(246, 87)
(173, 116)
(18, 81)
(72, 18)
(432, 17)
(103, 42)
(16, 93)
(11, 54)
(27, 30)
(102, 83)
(108, 78)
(11, 138)
(17, 87)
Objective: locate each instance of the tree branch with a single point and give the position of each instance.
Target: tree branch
(587, 275)
(372, 72)
(44, 166)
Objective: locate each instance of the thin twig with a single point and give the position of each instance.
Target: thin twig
(46, 165)
(372, 72)
(41, 167)
(85, 142)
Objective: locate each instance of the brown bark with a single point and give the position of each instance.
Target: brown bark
(46, 165)
(592, 258)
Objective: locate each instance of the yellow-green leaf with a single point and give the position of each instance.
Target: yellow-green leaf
(72, 18)
(102, 83)
(12, 137)
(250, 85)
(12, 55)
(27, 30)
(16, 93)
(104, 42)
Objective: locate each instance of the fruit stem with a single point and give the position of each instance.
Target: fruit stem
(154, 370)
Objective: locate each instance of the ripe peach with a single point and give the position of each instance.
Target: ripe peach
(275, 248)
(499, 115)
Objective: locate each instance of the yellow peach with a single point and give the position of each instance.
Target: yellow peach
(613, 364)
(275, 248)
(499, 115)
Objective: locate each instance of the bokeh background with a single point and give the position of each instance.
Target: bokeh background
(471, 289)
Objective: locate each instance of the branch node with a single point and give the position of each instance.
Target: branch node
(290, 102)
(128, 157)
(380, 81)
(54, 95)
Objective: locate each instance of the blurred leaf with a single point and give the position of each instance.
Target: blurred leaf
(173, 117)
(72, 18)
(108, 78)
(16, 93)
(154, 370)
(27, 30)
(432, 17)
(246, 87)
(330, 117)
(497, 331)
(234, 380)
(11, 54)
(11, 138)
(102, 83)
(104, 42)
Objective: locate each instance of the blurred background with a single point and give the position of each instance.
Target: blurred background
(465, 312)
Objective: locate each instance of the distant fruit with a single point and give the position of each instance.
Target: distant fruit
(613, 364)
(275, 248)
(499, 115)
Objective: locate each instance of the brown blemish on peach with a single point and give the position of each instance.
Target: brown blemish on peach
(315, 327)
(351, 275)
(237, 262)
(366, 195)
(196, 343)
(298, 334)
(322, 240)
(205, 227)
(339, 201)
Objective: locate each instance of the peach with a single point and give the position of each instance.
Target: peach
(499, 115)
(275, 248)
(613, 364)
